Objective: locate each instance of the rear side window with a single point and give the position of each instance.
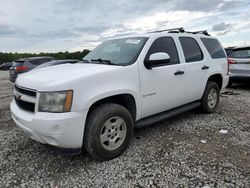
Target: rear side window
(191, 49)
(214, 48)
(167, 45)
(240, 53)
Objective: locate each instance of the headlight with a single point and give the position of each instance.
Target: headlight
(55, 101)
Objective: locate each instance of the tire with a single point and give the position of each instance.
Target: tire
(211, 97)
(115, 125)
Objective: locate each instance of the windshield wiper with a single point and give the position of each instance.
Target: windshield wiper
(104, 61)
(85, 61)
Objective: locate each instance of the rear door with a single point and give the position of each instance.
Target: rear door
(196, 66)
(241, 67)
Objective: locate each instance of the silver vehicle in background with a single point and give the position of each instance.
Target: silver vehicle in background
(239, 64)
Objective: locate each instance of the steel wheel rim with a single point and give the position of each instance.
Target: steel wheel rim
(113, 133)
(212, 98)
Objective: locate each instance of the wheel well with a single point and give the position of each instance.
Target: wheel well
(217, 78)
(125, 100)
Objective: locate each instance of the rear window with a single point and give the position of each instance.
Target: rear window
(214, 48)
(18, 63)
(240, 53)
(191, 49)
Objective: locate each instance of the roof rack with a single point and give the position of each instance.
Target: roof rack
(199, 32)
(178, 29)
(181, 30)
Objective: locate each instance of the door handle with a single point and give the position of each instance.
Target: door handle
(179, 72)
(205, 67)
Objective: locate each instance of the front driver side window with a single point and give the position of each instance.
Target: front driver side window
(167, 45)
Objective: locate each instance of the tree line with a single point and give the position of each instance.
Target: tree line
(9, 57)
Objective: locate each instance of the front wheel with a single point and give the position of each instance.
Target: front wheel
(210, 99)
(108, 131)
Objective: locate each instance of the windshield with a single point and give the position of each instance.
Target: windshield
(118, 51)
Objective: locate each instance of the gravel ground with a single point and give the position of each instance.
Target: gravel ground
(192, 150)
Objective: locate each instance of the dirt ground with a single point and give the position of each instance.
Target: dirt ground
(191, 150)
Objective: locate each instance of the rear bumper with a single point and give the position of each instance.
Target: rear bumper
(239, 77)
(61, 130)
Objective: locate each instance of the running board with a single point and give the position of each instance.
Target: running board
(165, 115)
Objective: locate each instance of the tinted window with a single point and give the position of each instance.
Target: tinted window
(167, 45)
(214, 48)
(39, 61)
(240, 53)
(191, 49)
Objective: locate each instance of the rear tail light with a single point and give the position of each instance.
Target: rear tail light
(21, 68)
(229, 62)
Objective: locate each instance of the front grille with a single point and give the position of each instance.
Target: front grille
(29, 103)
(25, 105)
(26, 91)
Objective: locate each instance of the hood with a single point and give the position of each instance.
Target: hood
(58, 76)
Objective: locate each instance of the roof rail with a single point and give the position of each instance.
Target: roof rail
(179, 29)
(199, 32)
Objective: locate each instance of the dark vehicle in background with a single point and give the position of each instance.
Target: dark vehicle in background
(56, 62)
(26, 64)
(6, 66)
(239, 65)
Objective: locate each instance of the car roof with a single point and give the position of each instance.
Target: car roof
(230, 48)
(65, 60)
(170, 32)
(35, 58)
(241, 47)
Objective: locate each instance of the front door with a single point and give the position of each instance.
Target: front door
(162, 87)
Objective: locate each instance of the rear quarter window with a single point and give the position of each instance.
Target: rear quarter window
(214, 48)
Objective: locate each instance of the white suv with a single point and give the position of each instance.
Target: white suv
(122, 84)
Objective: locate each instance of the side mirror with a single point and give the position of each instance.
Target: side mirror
(157, 59)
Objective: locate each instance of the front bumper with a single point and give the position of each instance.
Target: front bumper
(62, 130)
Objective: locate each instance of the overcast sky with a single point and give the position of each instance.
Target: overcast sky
(72, 25)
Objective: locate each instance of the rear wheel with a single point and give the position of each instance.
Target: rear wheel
(210, 99)
(108, 131)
